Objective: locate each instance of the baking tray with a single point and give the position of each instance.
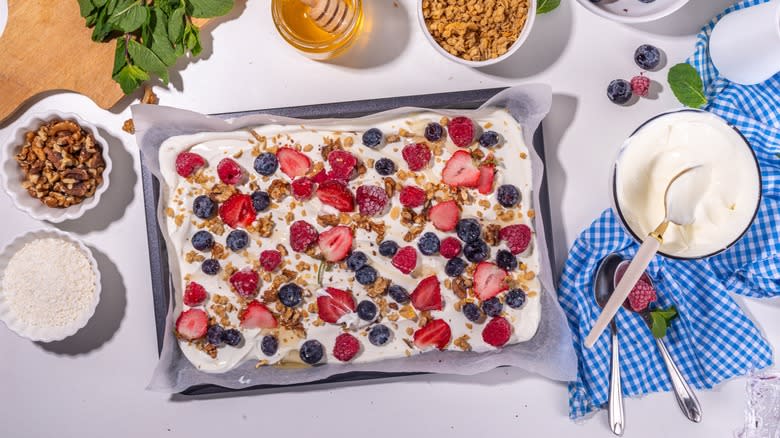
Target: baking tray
(158, 257)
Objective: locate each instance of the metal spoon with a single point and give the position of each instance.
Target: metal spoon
(603, 286)
(686, 398)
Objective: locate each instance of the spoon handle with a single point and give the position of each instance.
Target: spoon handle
(634, 272)
(616, 421)
(685, 395)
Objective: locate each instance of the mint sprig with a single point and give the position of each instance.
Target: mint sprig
(660, 319)
(687, 85)
(151, 35)
(545, 6)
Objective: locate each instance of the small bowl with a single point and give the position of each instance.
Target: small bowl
(633, 11)
(529, 23)
(12, 173)
(45, 334)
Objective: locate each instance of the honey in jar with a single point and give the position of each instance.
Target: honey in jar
(320, 29)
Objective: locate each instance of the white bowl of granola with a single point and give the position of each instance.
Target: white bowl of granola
(461, 34)
(55, 166)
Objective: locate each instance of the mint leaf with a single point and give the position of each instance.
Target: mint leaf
(129, 18)
(176, 26)
(687, 85)
(209, 8)
(545, 6)
(659, 325)
(160, 43)
(120, 60)
(144, 58)
(99, 3)
(130, 78)
(86, 7)
(192, 40)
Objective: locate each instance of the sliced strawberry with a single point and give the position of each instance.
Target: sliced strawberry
(412, 196)
(336, 243)
(346, 347)
(517, 237)
(192, 324)
(302, 188)
(230, 172)
(460, 171)
(417, 156)
(342, 164)
(334, 304)
(302, 236)
(336, 194)
(405, 260)
(257, 316)
(245, 282)
(188, 162)
(436, 333)
(444, 215)
(371, 200)
(270, 259)
(450, 247)
(292, 162)
(237, 211)
(497, 331)
(489, 280)
(427, 294)
(194, 294)
(462, 131)
(320, 177)
(487, 173)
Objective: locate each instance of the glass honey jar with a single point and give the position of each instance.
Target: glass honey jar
(295, 24)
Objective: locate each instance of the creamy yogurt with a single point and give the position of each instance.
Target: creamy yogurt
(728, 179)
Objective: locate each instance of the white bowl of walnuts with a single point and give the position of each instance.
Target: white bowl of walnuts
(476, 33)
(55, 166)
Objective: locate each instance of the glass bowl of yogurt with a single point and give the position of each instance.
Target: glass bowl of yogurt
(669, 143)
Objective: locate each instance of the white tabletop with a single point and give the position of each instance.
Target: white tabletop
(93, 383)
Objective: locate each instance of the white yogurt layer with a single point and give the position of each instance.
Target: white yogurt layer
(514, 167)
(728, 179)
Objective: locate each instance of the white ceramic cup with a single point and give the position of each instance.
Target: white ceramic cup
(745, 44)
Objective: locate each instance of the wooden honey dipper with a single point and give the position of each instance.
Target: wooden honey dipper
(333, 16)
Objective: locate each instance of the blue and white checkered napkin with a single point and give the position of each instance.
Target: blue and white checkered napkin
(712, 339)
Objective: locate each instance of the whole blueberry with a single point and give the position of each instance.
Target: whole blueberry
(269, 345)
(356, 260)
(646, 56)
(366, 275)
(373, 138)
(492, 306)
(237, 240)
(476, 251)
(619, 91)
(379, 335)
(433, 132)
(471, 312)
(515, 298)
(388, 248)
(508, 195)
(210, 266)
(506, 260)
(266, 164)
(398, 293)
(489, 139)
(454, 267)
(202, 240)
(311, 352)
(290, 294)
(260, 200)
(468, 230)
(204, 207)
(231, 337)
(428, 243)
(214, 335)
(384, 166)
(366, 310)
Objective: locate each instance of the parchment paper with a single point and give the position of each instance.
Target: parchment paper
(549, 353)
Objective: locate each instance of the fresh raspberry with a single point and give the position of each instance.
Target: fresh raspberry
(302, 236)
(245, 282)
(640, 85)
(270, 259)
(517, 237)
(405, 260)
(371, 200)
(450, 247)
(641, 296)
(417, 156)
(497, 332)
(412, 196)
(342, 164)
(229, 171)
(302, 188)
(347, 346)
(462, 131)
(188, 162)
(194, 294)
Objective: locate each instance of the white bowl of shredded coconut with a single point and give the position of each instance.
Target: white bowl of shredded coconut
(49, 285)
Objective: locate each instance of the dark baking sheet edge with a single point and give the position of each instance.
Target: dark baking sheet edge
(158, 258)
